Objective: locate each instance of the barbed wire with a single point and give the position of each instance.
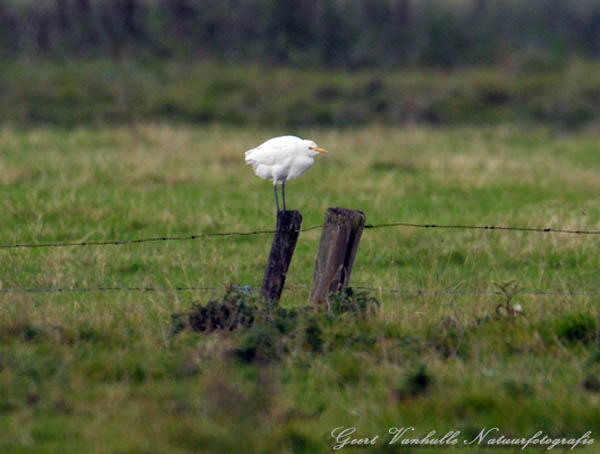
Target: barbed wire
(146, 240)
(486, 227)
(294, 287)
(422, 292)
(266, 232)
(105, 289)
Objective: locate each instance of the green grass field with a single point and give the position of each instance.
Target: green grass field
(104, 372)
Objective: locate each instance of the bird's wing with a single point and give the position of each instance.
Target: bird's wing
(272, 151)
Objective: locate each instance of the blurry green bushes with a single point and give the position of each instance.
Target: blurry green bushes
(307, 33)
(107, 91)
(299, 62)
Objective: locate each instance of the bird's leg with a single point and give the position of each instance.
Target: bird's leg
(283, 193)
(276, 199)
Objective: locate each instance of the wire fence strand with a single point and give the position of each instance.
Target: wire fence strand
(315, 227)
(145, 240)
(104, 289)
(486, 227)
(294, 287)
(423, 292)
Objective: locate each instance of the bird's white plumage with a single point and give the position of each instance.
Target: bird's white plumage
(282, 158)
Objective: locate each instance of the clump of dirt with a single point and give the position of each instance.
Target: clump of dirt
(235, 310)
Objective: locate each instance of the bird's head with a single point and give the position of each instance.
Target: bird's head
(313, 149)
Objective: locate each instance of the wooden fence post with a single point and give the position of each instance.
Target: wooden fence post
(282, 249)
(337, 251)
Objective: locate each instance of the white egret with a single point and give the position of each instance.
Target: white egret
(281, 159)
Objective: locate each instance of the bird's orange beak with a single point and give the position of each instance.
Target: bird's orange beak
(320, 150)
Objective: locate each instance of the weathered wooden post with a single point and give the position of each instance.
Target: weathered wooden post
(282, 249)
(337, 251)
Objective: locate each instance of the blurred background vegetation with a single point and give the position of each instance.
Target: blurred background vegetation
(300, 62)
(314, 33)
